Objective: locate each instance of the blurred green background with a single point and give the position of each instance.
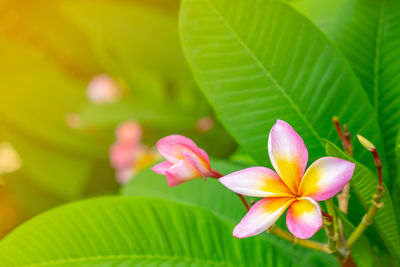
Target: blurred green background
(50, 52)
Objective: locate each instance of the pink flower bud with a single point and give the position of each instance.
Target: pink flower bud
(185, 160)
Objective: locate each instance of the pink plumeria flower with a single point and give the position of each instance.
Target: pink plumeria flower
(185, 160)
(127, 151)
(290, 187)
(103, 89)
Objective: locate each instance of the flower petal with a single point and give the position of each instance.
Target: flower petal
(199, 164)
(304, 218)
(171, 147)
(180, 172)
(261, 216)
(160, 168)
(256, 182)
(288, 154)
(325, 178)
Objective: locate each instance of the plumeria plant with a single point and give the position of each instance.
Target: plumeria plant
(242, 99)
(292, 187)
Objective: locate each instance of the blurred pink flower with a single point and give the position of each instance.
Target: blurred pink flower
(103, 89)
(128, 155)
(205, 124)
(129, 132)
(122, 155)
(290, 187)
(185, 160)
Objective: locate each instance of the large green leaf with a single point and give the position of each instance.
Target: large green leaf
(367, 33)
(364, 182)
(127, 231)
(260, 60)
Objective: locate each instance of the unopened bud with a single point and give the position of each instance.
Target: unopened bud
(335, 120)
(366, 143)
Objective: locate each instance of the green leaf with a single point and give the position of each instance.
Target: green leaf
(127, 231)
(367, 33)
(364, 183)
(396, 186)
(260, 60)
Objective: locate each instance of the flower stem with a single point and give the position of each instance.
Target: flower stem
(218, 175)
(331, 226)
(244, 201)
(367, 219)
(345, 137)
(275, 230)
(376, 202)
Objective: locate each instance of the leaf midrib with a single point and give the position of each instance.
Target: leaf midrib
(377, 59)
(128, 257)
(268, 73)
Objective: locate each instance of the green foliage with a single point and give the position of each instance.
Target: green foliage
(159, 90)
(37, 92)
(254, 73)
(134, 231)
(364, 183)
(366, 32)
(255, 60)
(133, 54)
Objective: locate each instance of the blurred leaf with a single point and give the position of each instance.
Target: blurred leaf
(133, 231)
(364, 182)
(114, 113)
(29, 22)
(150, 29)
(261, 60)
(367, 33)
(32, 198)
(37, 94)
(58, 173)
(148, 48)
